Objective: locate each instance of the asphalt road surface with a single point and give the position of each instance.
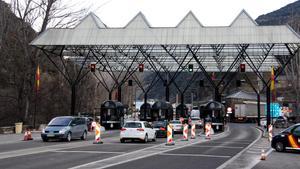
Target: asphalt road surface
(197, 153)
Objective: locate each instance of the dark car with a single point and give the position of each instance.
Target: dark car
(161, 128)
(281, 122)
(287, 139)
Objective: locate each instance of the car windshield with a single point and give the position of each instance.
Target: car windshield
(288, 130)
(133, 125)
(175, 122)
(60, 122)
(159, 124)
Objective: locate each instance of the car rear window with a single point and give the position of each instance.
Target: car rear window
(60, 122)
(175, 122)
(133, 125)
(159, 124)
(195, 118)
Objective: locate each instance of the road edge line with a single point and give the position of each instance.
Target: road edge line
(241, 152)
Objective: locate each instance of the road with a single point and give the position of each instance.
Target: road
(113, 154)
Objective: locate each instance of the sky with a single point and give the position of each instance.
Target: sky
(162, 13)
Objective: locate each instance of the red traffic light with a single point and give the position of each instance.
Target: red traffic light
(141, 67)
(242, 67)
(93, 67)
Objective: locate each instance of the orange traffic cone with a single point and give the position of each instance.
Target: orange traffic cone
(97, 134)
(170, 140)
(263, 155)
(27, 135)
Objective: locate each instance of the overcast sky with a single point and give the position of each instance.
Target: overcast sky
(117, 13)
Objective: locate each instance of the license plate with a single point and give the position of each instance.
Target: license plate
(50, 135)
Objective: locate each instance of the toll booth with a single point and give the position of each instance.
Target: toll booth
(182, 111)
(112, 114)
(213, 112)
(145, 112)
(162, 110)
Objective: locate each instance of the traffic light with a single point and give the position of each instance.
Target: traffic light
(129, 82)
(191, 67)
(242, 67)
(201, 83)
(141, 67)
(93, 67)
(238, 83)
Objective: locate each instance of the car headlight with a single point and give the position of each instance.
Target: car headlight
(63, 131)
(43, 131)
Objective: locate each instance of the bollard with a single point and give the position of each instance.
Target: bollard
(170, 140)
(193, 131)
(185, 132)
(97, 133)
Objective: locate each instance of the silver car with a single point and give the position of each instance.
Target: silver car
(65, 127)
(177, 126)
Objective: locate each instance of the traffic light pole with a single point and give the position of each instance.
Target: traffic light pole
(268, 106)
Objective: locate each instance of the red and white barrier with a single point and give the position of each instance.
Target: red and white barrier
(97, 133)
(185, 132)
(207, 130)
(193, 131)
(170, 140)
(270, 132)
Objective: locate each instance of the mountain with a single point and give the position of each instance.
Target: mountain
(289, 14)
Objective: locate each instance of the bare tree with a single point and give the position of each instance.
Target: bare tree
(40, 15)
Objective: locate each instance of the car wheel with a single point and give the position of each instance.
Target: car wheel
(122, 140)
(84, 136)
(279, 147)
(69, 137)
(146, 138)
(154, 138)
(45, 139)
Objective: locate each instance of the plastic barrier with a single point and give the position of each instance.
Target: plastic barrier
(170, 140)
(185, 132)
(207, 130)
(270, 132)
(193, 131)
(97, 133)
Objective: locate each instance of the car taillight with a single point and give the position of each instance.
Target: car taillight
(122, 129)
(140, 129)
(162, 128)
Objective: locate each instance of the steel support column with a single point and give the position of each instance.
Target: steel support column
(73, 99)
(258, 109)
(120, 93)
(268, 95)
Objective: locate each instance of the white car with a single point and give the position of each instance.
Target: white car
(197, 121)
(140, 130)
(177, 126)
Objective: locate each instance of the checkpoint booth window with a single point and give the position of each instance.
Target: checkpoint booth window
(162, 110)
(145, 112)
(182, 111)
(112, 114)
(214, 112)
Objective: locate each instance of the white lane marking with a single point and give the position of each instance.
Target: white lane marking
(195, 155)
(230, 142)
(43, 149)
(219, 147)
(92, 152)
(241, 152)
(140, 156)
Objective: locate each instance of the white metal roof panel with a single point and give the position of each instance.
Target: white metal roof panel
(243, 30)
